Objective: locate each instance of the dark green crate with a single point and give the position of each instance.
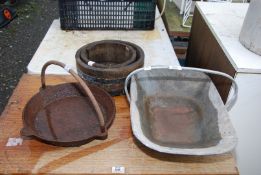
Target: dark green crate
(107, 14)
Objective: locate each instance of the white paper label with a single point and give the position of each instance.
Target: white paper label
(14, 141)
(147, 68)
(90, 63)
(118, 169)
(67, 68)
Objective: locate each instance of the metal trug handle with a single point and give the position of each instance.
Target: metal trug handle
(229, 103)
(84, 86)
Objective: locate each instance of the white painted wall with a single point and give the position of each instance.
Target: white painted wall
(246, 119)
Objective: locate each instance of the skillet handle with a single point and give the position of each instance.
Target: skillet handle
(82, 83)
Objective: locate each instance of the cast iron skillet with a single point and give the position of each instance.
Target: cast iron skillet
(69, 114)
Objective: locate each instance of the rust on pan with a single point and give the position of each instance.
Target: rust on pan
(69, 114)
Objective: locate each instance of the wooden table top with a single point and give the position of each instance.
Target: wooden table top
(97, 157)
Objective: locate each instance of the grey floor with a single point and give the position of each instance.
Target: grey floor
(20, 39)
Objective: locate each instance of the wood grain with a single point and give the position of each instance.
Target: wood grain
(205, 52)
(97, 157)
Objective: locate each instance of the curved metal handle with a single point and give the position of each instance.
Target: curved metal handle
(82, 83)
(230, 103)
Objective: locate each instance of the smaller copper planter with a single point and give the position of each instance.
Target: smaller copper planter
(69, 114)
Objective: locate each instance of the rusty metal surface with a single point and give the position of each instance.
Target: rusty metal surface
(62, 115)
(69, 114)
(180, 113)
(111, 78)
(178, 121)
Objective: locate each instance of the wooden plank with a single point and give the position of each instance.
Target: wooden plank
(173, 20)
(205, 52)
(97, 157)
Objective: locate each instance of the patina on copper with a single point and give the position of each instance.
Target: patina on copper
(69, 114)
